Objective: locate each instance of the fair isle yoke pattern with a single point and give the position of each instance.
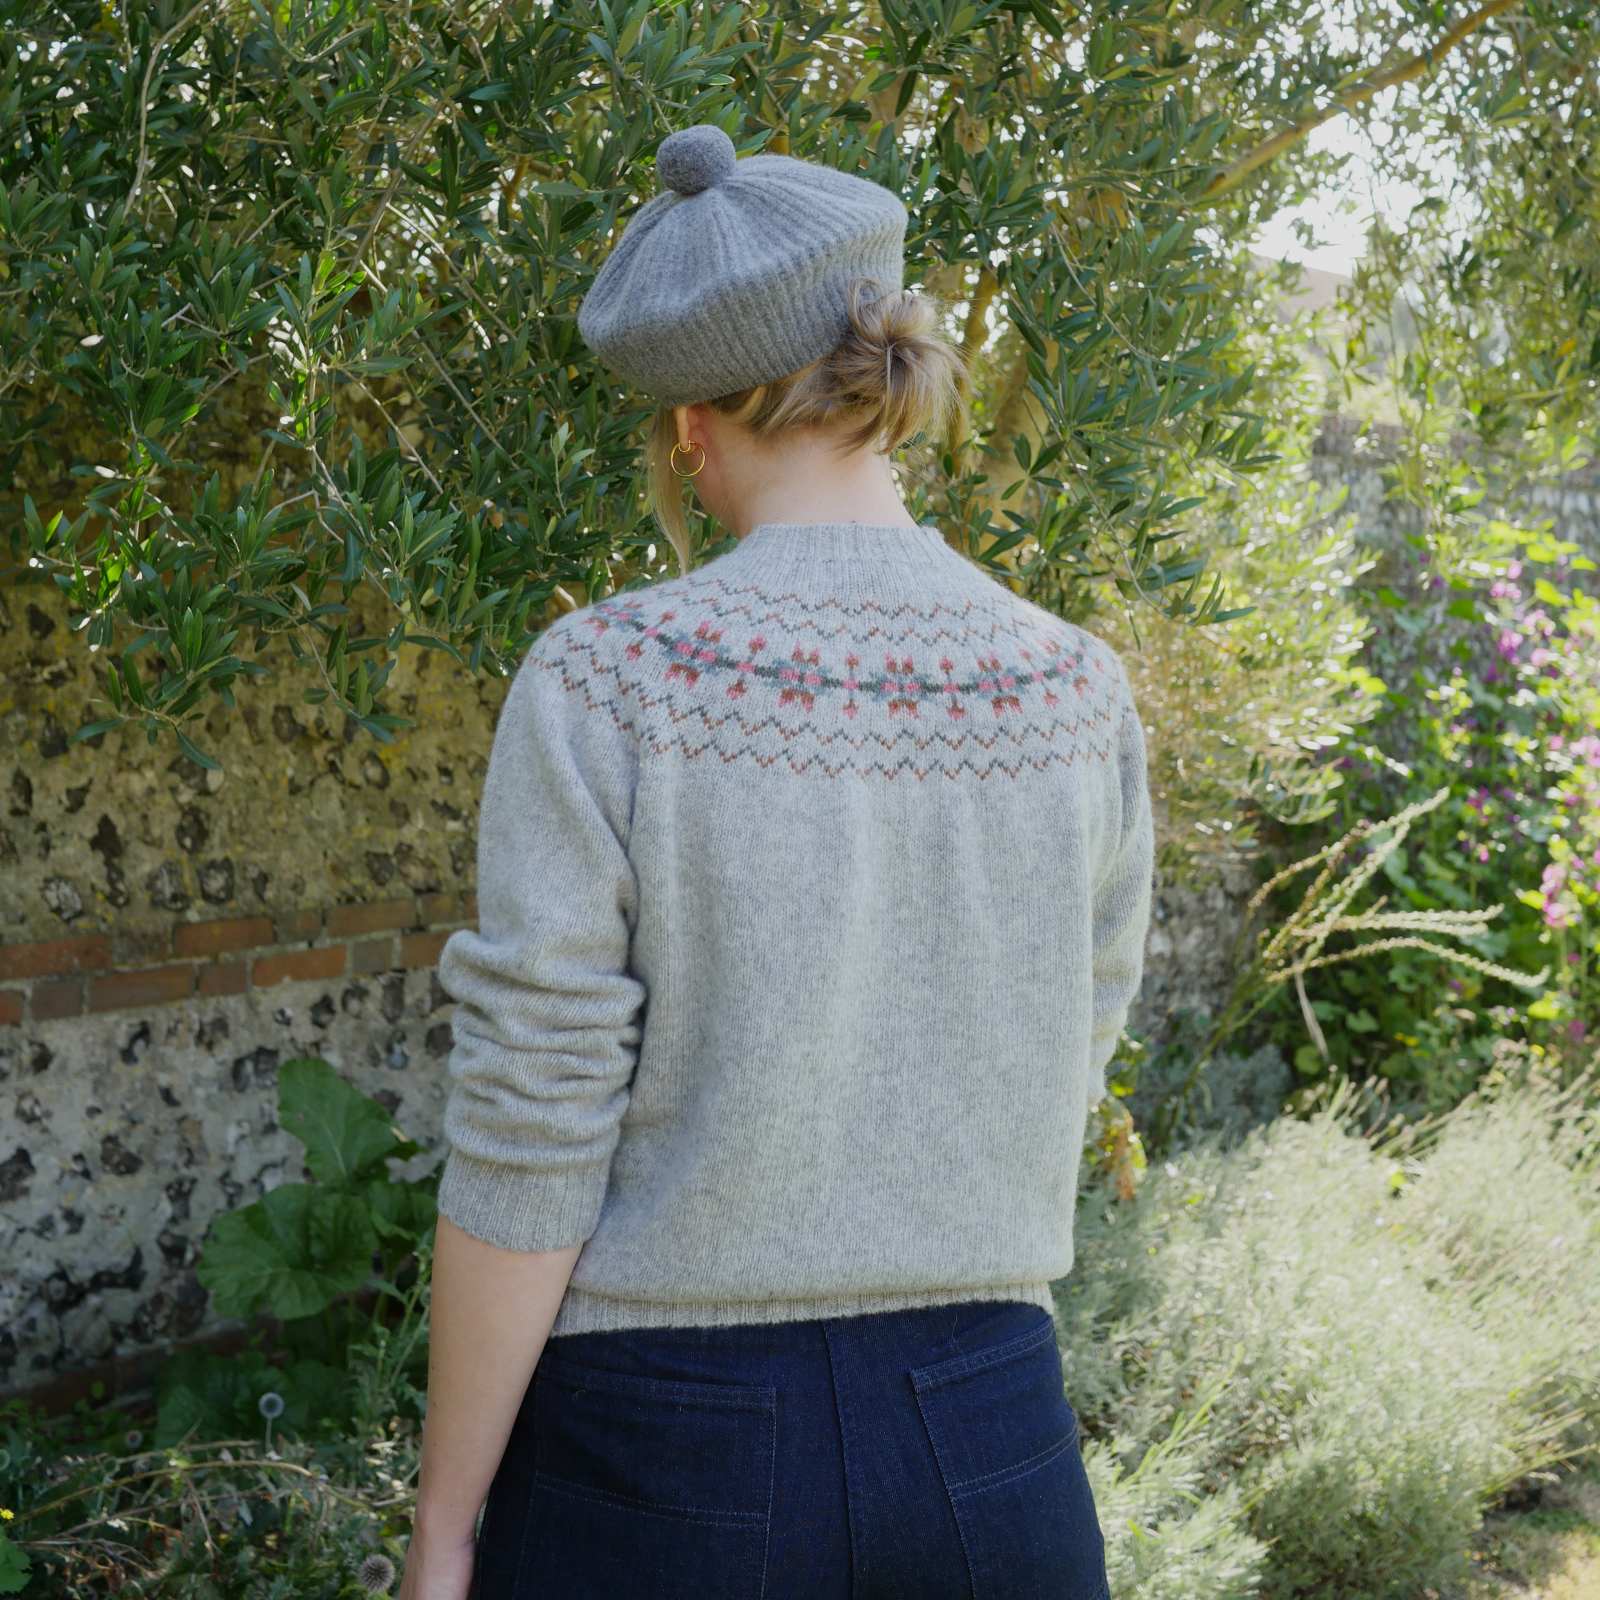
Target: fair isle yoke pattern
(712, 666)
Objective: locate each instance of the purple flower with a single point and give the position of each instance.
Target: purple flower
(1576, 1029)
(1514, 570)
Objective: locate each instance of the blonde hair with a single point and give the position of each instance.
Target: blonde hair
(894, 374)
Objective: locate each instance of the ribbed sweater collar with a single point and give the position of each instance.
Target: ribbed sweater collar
(890, 561)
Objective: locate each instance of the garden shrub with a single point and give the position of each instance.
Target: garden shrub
(1493, 678)
(1341, 1316)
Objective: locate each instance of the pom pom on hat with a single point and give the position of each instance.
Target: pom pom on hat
(692, 159)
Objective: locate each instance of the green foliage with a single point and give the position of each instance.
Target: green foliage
(14, 1566)
(298, 1457)
(296, 1250)
(299, 1253)
(221, 1519)
(1242, 716)
(349, 1138)
(208, 1396)
(289, 333)
(1494, 696)
(1307, 1364)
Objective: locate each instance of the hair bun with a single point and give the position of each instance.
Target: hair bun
(692, 159)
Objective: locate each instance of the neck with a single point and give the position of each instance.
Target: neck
(812, 483)
(892, 561)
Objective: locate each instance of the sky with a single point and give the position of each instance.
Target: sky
(1341, 225)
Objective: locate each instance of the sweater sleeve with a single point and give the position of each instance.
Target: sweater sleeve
(547, 1017)
(1122, 899)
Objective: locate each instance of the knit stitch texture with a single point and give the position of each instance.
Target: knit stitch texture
(813, 889)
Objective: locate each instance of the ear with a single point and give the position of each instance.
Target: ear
(686, 418)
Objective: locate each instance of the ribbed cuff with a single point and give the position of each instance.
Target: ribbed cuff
(517, 1210)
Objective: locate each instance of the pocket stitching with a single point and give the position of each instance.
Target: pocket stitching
(772, 1479)
(691, 1391)
(992, 1480)
(944, 1477)
(976, 1360)
(659, 1508)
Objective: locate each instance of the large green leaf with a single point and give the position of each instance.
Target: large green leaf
(403, 1210)
(219, 1396)
(347, 1136)
(14, 1567)
(291, 1253)
(215, 1396)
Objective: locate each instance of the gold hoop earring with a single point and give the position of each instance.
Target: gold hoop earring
(693, 444)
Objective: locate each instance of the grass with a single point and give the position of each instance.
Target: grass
(1549, 1553)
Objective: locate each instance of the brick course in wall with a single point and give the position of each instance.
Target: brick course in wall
(49, 979)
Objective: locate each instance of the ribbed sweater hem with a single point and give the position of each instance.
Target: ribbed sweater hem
(583, 1311)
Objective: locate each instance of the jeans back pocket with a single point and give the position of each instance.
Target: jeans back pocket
(1006, 1441)
(648, 1485)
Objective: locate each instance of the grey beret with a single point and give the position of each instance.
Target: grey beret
(737, 271)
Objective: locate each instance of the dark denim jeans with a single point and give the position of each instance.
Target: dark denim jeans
(898, 1455)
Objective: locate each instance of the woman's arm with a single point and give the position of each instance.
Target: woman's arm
(545, 1032)
(491, 1314)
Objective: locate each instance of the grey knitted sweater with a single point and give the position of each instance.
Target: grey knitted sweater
(813, 888)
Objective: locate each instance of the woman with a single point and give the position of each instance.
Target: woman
(813, 889)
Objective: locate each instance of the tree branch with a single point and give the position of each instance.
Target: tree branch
(1423, 62)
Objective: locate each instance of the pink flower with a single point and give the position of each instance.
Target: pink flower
(1508, 643)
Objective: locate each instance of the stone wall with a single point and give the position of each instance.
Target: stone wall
(170, 935)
